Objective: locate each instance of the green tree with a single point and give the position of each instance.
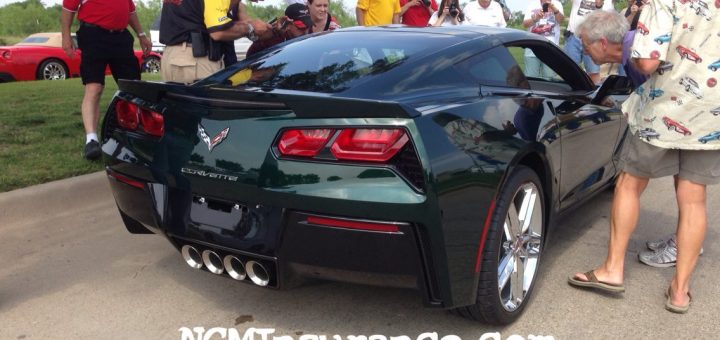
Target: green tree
(147, 11)
(29, 16)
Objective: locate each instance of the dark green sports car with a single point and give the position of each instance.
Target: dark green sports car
(426, 158)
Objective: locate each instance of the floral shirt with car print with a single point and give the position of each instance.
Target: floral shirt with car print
(678, 105)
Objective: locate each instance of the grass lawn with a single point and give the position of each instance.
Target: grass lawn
(41, 132)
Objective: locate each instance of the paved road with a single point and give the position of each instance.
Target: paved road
(70, 270)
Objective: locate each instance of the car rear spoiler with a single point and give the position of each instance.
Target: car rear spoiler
(303, 104)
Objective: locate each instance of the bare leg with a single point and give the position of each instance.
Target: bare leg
(91, 106)
(692, 223)
(623, 219)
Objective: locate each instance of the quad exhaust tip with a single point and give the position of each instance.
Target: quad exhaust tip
(191, 256)
(212, 262)
(235, 268)
(257, 273)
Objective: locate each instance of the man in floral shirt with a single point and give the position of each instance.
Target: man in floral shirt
(678, 103)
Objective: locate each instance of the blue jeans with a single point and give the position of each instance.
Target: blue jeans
(536, 69)
(574, 48)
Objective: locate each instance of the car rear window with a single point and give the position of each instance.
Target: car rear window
(332, 62)
(35, 40)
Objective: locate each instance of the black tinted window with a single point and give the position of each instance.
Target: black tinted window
(494, 67)
(332, 62)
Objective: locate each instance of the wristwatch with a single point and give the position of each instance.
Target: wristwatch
(251, 33)
(141, 34)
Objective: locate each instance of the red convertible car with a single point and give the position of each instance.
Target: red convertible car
(40, 56)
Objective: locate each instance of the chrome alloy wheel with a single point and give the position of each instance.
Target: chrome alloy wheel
(521, 246)
(53, 71)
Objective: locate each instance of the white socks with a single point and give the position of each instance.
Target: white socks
(90, 137)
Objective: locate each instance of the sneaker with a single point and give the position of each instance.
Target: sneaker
(664, 255)
(92, 150)
(661, 243)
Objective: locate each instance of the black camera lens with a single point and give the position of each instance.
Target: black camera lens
(426, 2)
(453, 10)
(545, 7)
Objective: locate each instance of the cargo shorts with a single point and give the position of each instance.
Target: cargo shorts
(642, 159)
(178, 65)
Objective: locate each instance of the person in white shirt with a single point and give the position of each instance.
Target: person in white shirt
(542, 17)
(484, 12)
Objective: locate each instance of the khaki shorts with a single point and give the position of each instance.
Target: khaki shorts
(178, 65)
(642, 159)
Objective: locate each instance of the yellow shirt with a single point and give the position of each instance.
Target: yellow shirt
(379, 12)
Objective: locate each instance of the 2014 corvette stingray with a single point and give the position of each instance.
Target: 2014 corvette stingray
(408, 157)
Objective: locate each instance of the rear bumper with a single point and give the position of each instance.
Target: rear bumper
(283, 240)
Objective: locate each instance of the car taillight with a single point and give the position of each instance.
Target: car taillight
(152, 122)
(303, 142)
(372, 145)
(126, 114)
(131, 116)
(351, 144)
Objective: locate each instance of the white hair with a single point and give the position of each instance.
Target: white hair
(604, 24)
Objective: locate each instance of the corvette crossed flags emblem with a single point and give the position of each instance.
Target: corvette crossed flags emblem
(212, 143)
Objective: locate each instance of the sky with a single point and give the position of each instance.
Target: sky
(515, 5)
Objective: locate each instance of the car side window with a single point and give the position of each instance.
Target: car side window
(532, 66)
(494, 67)
(548, 68)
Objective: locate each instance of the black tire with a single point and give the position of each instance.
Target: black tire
(497, 303)
(151, 64)
(52, 69)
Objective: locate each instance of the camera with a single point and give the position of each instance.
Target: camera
(426, 2)
(547, 5)
(453, 10)
(639, 3)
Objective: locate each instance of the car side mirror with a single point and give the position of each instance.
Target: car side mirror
(613, 85)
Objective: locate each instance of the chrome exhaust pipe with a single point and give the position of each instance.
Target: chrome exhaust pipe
(191, 256)
(234, 267)
(257, 273)
(212, 261)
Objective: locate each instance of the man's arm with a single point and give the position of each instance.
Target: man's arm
(360, 15)
(145, 43)
(66, 19)
(241, 29)
(396, 18)
(646, 66)
(407, 6)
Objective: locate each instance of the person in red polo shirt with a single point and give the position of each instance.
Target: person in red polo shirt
(417, 12)
(104, 40)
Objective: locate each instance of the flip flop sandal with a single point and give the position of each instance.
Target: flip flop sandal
(675, 308)
(593, 282)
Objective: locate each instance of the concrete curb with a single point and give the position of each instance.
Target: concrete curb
(54, 197)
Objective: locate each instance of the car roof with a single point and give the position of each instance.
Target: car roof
(469, 32)
(54, 39)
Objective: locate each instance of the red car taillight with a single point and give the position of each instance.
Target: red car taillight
(373, 145)
(130, 116)
(304, 143)
(351, 144)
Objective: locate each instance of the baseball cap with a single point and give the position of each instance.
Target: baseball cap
(299, 14)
